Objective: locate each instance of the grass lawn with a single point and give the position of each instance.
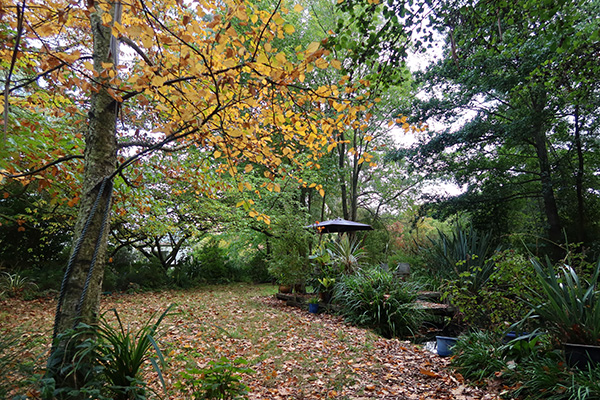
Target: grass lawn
(296, 355)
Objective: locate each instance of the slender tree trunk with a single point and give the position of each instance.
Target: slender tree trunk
(80, 294)
(581, 231)
(323, 204)
(550, 207)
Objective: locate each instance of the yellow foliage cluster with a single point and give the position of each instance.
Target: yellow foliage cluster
(203, 73)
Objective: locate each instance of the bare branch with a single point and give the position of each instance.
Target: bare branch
(13, 61)
(148, 145)
(137, 49)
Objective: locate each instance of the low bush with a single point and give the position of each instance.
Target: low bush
(529, 368)
(570, 307)
(255, 269)
(376, 299)
(503, 299)
(128, 269)
(478, 356)
(222, 380)
(212, 264)
(463, 251)
(17, 285)
(109, 360)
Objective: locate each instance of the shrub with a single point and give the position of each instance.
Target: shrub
(222, 380)
(148, 274)
(16, 285)
(462, 253)
(212, 264)
(110, 359)
(499, 302)
(258, 269)
(530, 368)
(376, 299)
(288, 262)
(376, 243)
(544, 375)
(570, 307)
(477, 355)
(128, 269)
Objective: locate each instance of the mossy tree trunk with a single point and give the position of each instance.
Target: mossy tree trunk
(81, 288)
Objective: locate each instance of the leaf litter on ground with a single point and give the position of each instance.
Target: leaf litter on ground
(295, 354)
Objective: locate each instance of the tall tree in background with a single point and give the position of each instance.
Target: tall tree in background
(384, 84)
(513, 78)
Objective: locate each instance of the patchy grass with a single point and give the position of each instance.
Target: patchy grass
(295, 354)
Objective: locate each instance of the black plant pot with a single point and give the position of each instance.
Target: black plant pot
(581, 355)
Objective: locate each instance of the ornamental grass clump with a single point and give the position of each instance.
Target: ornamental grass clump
(376, 299)
(570, 307)
(462, 253)
(111, 358)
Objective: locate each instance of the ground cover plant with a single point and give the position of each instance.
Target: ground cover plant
(537, 365)
(293, 354)
(530, 368)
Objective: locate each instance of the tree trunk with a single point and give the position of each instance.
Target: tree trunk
(581, 231)
(550, 207)
(354, 181)
(80, 293)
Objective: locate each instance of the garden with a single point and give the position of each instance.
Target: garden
(299, 199)
(521, 327)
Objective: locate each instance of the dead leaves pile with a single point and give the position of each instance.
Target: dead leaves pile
(295, 355)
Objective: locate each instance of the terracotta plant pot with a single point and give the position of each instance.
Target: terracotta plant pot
(285, 289)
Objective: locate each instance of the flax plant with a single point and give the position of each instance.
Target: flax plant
(571, 306)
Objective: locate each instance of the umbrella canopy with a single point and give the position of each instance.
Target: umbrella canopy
(340, 225)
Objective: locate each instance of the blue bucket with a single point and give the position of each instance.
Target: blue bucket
(444, 345)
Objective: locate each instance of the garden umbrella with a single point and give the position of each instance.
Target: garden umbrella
(339, 225)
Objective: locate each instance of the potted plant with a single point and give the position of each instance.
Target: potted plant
(570, 310)
(288, 261)
(313, 305)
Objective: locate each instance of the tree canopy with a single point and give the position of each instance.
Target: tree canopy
(516, 81)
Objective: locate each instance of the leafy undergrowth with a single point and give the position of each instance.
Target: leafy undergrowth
(295, 355)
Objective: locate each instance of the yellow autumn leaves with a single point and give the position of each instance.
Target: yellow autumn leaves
(206, 75)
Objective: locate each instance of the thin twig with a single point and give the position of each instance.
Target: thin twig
(13, 61)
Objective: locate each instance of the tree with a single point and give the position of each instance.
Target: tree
(383, 85)
(204, 75)
(508, 66)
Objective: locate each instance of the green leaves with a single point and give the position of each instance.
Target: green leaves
(377, 299)
(221, 380)
(121, 353)
(571, 307)
(463, 253)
